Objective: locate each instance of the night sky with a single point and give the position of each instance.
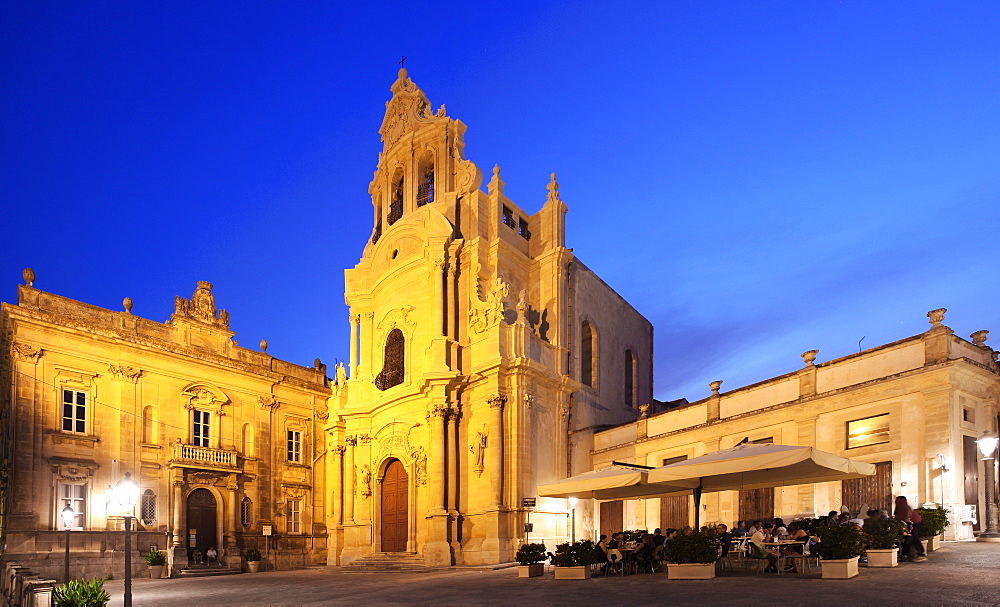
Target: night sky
(757, 178)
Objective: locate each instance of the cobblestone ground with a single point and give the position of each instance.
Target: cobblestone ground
(961, 573)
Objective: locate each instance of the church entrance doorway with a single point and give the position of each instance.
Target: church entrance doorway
(201, 524)
(394, 508)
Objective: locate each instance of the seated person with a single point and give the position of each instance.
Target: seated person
(212, 555)
(800, 537)
(616, 541)
(758, 539)
(658, 537)
(725, 538)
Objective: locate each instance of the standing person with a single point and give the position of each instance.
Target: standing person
(903, 512)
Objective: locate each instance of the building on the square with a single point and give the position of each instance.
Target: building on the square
(914, 408)
(483, 356)
(221, 439)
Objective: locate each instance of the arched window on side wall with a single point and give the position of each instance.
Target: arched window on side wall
(396, 206)
(588, 355)
(148, 426)
(392, 365)
(246, 512)
(148, 507)
(630, 400)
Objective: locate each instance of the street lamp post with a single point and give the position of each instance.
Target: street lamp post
(988, 446)
(572, 505)
(68, 515)
(127, 493)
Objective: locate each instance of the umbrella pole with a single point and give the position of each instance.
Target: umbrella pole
(697, 506)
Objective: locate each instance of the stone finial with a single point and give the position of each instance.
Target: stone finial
(644, 410)
(936, 317)
(553, 188)
(496, 184)
(809, 357)
(979, 338)
(317, 363)
(127, 304)
(263, 346)
(715, 385)
(29, 276)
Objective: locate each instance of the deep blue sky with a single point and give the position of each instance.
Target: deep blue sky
(757, 178)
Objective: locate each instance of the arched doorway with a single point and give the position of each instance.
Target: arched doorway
(394, 508)
(201, 521)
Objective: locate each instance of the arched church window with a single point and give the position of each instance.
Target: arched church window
(588, 354)
(425, 189)
(148, 507)
(396, 206)
(630, 379)
(392, 366)
(148, 428)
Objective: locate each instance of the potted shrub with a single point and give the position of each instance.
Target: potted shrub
(839, 548)
(156, 560)
(253, 560)
(692, 556)
(81, 593)
(572, 561)
(531, 560)
(809, 525)
(935, 522)
(881, 538)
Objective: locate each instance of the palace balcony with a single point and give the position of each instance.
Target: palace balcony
(204, 458)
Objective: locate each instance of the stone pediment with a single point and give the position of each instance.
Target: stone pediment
(407, 108)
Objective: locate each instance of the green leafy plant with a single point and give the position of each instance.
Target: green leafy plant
(882, 534)
(81, 593)
(839, 542)
(809, 525)
(935, 521)
(695, 547)
(574, 554)
(529, 554)
(253, 555)
(633, 536)
(155, 557)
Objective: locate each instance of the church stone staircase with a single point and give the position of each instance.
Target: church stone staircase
(388, 562)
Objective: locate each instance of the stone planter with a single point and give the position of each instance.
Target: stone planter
(932, 543)
(839, 569)
(883, 557)
(581, 572)
(156, 571)
(253, 566)
(532, 570)
(690, 571)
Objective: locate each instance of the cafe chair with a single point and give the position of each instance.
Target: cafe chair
(615, 561)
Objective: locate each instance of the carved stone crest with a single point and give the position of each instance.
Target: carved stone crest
(487, 309)
(124, 373)
(201, 307)
(26, 352)
(268, 402)
(201, 396)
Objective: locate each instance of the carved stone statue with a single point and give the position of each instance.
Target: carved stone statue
(478, 448)
(366, 480)
(201, 306)
(341, 374)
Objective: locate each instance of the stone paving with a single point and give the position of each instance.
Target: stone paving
(960, 573)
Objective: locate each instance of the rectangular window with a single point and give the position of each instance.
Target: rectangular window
(508, 218)
(522, 229)
(201, 428)
(294, 516)
(294, 446)
(74, 412)
(75, 496)
(673, 460)
(868, 431)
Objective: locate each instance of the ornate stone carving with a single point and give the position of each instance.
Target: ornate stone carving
(263, 346)
(338, 450)
(553, 189)
(366, 480)
(487, 309)
(809, 357)
(21, 351)
(72, 472)
(125, 373)
(407, 107)
(201, 307)
(715, 385)
(199, 396)
(979, 338)
(936, 316)
(497, 400)
(268, 402)
(352, 441)
(419, 466)
(437, 412)
(529, 400)
(496, 184)
(644, 410)
(478, 449)
(468, 177)
(322, 414)
(364, 439)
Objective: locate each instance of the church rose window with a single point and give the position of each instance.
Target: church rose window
(396, 207)
(392, 367)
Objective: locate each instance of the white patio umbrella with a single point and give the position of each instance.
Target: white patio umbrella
(750, 466)
(617, 482)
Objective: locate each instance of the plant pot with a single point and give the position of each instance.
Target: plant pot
(932, 543)
(690, 571)
(883, 557)
(839, 569)
(156, 571)
(580, 572)
(532, 570)
(253, 566)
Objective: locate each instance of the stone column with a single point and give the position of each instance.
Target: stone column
(369, 365)
(178, 524)
(354, 319)
(451, 499)
(334, 474)
(349, 480)
(496, 442)
(436, 458)
(233, 523)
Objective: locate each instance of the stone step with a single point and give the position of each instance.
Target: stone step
(206, 572)
(388, 562)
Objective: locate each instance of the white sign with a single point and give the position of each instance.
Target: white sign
(267, 529)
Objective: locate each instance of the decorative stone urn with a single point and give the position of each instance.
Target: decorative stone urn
(580, 572)
(839, 569)
(533, 570)
(690, 571)
(886, 557)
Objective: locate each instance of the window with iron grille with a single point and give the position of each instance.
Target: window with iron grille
(396, 207)
(294, 516)
(246, 512)
(392, 366)
(200, 427)
(508, 218)
(522, 229)
(148, 507)
(294, 446)
(74, 411)
(425, 191)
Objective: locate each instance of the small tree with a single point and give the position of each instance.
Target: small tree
(81, 593)
(839, 541)
(529, 554)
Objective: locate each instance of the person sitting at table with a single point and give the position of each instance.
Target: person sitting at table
(641, 554)
(904, 512)
(658, 537)
(876, 514)
(780, 530)
(668, 534)
(725, 538)
(602, 551)
(758, 539)
(740, 529)
(800, 537)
